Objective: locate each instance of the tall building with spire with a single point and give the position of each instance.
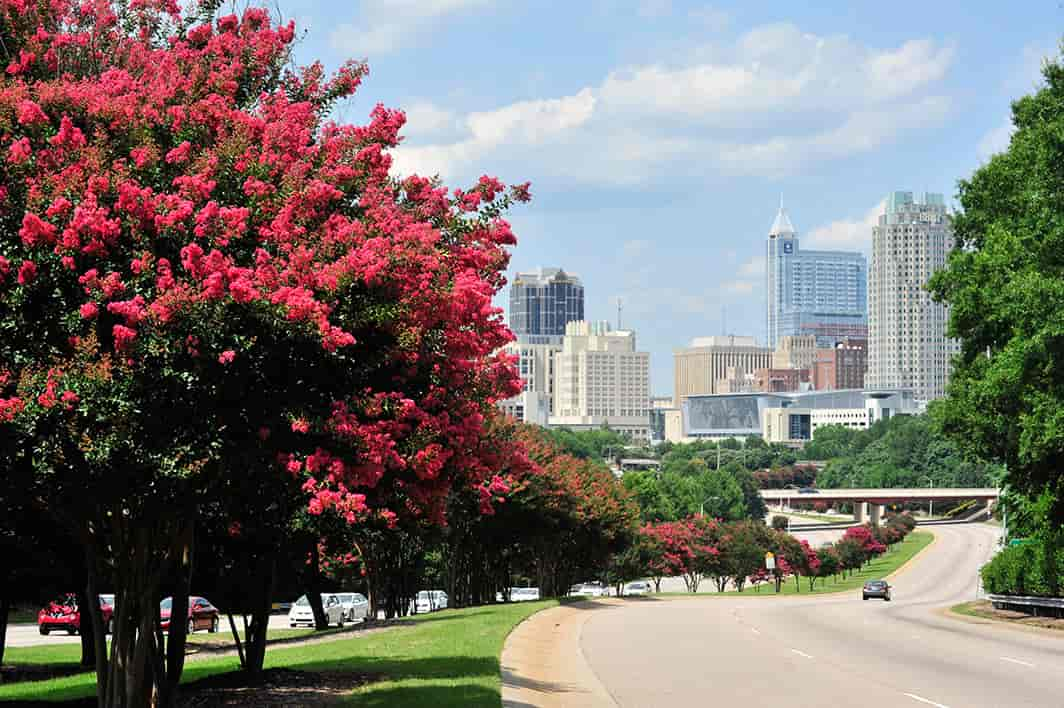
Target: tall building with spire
(819, 293)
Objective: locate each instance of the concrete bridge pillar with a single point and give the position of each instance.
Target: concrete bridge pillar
(859, 512)
(878, 512)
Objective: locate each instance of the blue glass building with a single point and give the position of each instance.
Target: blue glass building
(820, 293)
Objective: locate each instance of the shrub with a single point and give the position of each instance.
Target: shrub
(780, 523)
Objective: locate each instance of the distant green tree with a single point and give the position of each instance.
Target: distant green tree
(654, 503)
(754, 505)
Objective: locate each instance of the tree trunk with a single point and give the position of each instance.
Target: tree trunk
(98, 633)
(5, 608)
(87, 626)
(167, 683)
(255, 636)
(313, 585)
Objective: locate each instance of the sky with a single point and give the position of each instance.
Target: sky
(660, 135)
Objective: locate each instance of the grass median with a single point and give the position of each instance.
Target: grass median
(448, 658)
(875, 569)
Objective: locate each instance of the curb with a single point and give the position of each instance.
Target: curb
(904, 567)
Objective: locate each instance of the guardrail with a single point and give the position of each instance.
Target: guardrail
(1029, 600)
(1032, 605)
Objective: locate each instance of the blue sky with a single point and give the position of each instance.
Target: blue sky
(659, 134)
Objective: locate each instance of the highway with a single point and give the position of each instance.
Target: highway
(832, 649)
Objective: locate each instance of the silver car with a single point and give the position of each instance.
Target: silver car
(301, 612)
(356, 606)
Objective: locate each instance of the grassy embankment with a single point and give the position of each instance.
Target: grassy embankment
(448, 658)
(877, 568)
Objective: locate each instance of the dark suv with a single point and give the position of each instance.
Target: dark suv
(876, 588)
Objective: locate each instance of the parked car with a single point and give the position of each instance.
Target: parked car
(429, 601)
(639, 587)
(524, 594)
(63, 614)
(301, 612)
(201, 614)
(876, 588)
(356, 606)
(588, 590)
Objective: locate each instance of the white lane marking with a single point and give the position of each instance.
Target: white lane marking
(755, 630)
(802, 653)
(924, 700)
(1017, 661)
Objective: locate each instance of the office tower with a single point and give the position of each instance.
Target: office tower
(543, 301)
(908, 347)
(709, 362)
(601, 380)
(819, 293)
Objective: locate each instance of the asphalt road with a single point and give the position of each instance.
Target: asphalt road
(27, 635)
(832, 649)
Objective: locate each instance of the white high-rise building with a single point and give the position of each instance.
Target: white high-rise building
(601, 380)
(908, 347)
(535, 363)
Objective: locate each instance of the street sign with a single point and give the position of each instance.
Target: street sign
(770, 561)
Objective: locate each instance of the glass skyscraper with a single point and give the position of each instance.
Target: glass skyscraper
(543, 301)
(822, 293)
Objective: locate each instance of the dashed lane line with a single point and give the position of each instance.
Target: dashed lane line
(1017, 661)
(802, 654)
(925, 700)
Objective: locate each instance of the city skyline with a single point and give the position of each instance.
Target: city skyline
(658, 135)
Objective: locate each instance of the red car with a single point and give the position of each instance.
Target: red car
(201, 614)
(64, 614)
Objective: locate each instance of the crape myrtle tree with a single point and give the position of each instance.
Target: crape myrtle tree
(204, 279)
(1004, 284)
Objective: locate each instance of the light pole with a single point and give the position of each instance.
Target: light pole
(930, 502)
(702, 507)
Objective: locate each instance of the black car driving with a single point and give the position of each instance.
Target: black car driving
(876, 588)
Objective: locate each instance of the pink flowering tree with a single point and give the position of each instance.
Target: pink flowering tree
(205, 285)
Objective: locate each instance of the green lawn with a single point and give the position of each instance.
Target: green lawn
(448, 658)
(878, 568)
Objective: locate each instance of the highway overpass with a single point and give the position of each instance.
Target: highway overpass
(877, 499)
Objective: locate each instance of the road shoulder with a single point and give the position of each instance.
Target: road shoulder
(543, 664)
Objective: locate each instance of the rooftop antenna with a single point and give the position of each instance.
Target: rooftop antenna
(620, 307)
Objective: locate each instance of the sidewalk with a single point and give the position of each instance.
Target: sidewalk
(543, 665)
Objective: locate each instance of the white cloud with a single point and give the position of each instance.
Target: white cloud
(385, 25)
(775, 102)
(424, 118)
(995, 140)
(846, 235)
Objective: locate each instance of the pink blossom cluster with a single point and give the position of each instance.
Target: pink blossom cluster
(178, 190)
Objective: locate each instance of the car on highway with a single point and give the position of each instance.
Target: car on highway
(355, 604)
(876, 588)
(302, 613)
(201, 614)
(809, 490)
(63, 614)
(429, 601)
(639, 587)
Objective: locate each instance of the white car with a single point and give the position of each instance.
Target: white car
(639, 587)
(524, 594)
(356, 606)
(429, 601)
(519, 595)
(301, 612)
(588, 590)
